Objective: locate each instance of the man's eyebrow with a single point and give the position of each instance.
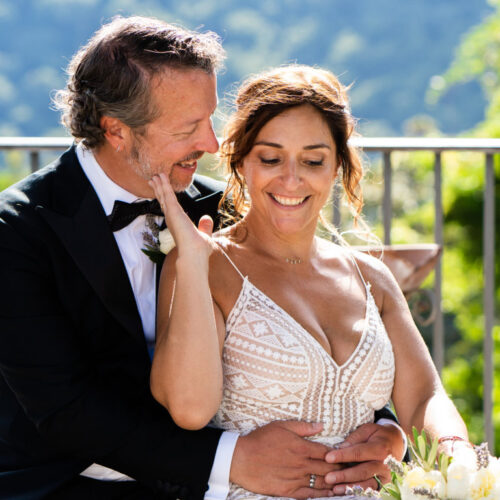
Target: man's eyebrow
(279, 146)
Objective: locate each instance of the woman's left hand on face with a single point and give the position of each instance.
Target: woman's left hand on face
(189, 239)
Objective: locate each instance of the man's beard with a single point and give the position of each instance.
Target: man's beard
(140, 161)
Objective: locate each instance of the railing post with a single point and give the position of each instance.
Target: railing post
(488, 297)
(337, 197)
(387, 203)
(34, 160)
(438, 333)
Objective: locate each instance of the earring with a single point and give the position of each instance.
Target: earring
(119, 148)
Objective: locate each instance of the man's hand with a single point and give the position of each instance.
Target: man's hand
(366, 449)
(276, 460)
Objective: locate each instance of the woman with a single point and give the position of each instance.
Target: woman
(267, 321)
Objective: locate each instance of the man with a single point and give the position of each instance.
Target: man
(77, 306)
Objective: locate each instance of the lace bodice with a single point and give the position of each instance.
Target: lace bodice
(275, 370)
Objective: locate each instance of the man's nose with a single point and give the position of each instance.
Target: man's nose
(210, 143)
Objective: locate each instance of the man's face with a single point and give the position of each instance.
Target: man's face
(183, 131)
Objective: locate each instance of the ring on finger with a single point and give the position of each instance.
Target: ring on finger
(312, 480)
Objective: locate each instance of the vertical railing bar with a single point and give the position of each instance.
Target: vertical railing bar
(387, 203)
(438, 333)
(35, 160)
(488, 297)
(337, 195)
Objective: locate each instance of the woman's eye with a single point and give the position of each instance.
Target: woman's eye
(314, 163)
(269, 161)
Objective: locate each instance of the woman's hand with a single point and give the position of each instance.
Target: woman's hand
(190, 326)
(192, 241)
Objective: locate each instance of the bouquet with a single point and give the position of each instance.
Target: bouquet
(471, 474)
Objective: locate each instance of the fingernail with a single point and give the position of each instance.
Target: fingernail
(317, 426)
(330, 478)
(339, 490)
(343, 444)
(330, 457)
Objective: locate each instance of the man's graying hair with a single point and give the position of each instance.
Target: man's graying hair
(112, 74)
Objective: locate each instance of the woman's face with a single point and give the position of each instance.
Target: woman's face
(289, 171)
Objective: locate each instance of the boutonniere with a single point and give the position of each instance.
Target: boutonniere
(157, 242)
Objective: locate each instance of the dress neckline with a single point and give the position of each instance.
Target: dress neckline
(370, 302)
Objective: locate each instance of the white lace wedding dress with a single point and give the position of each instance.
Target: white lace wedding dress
(275, 370)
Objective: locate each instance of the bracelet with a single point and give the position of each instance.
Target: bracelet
(450, 438)
(454, 439)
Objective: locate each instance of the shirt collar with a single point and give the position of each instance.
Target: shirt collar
(107, 191)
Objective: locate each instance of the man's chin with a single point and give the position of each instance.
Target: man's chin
(179, 179)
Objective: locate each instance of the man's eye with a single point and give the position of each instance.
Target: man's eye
(187, 133)
(269, 161)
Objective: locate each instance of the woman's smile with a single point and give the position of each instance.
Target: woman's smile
(288, 201)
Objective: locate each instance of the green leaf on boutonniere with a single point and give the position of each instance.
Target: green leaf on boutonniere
(154, 255)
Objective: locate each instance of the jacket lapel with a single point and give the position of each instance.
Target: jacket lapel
(197, 205)
(81, 225)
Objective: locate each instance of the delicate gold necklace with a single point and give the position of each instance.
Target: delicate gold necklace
(293, 260)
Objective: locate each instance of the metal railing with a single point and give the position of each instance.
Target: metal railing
(386, 146)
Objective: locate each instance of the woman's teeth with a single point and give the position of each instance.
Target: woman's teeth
(288, 201)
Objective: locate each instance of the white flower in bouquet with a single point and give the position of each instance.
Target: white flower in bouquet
(166, 241)
(417, 480)
(460, 473)
(459, 481)
(485, 484)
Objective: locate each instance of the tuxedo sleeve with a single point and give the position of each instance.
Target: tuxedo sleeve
(79, 404)
(385, 412)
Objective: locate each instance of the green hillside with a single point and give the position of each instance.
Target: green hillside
(388, 49)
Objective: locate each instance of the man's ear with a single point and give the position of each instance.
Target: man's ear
(115, 132)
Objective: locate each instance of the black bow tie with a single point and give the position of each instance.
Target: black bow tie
(124, 213)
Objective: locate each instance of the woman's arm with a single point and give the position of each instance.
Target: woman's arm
(418, 395)
(186, 375)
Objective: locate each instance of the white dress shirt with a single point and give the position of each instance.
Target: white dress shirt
(142, 275)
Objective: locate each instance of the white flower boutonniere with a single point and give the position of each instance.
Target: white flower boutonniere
(157, 243)
(166, 241)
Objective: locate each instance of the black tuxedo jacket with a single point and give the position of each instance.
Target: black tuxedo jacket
(74, 367)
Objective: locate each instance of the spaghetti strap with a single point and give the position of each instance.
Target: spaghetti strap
(367, 285)
(230, 261)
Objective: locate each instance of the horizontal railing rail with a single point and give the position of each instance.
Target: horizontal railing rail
(386, 146)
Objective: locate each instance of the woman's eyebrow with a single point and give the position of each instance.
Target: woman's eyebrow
(276, 145)
(317, 146)
(270, 144)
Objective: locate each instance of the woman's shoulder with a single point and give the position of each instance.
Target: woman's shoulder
(370, 264)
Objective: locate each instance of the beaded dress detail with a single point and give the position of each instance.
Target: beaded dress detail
(275, 370)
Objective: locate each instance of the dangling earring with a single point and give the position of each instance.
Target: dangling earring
(119, 148)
